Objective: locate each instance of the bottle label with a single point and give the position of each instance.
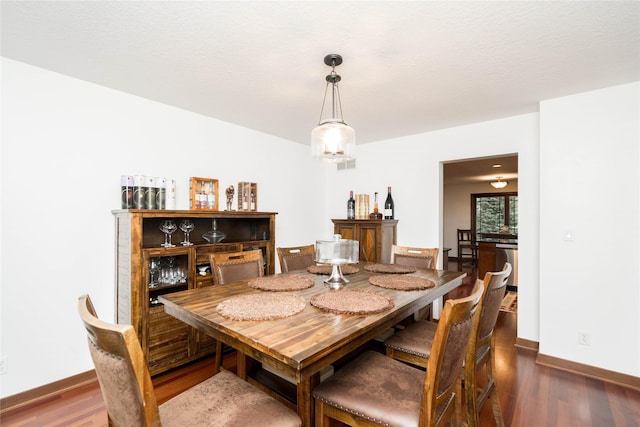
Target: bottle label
(388, 213)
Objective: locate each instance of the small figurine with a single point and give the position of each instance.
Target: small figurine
(230, 192)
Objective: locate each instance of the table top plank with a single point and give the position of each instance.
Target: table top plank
(303, 343)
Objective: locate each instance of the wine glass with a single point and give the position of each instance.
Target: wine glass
(187, 227)
(154, 267)
(168, 227)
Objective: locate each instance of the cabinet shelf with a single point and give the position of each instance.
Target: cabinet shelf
(166, 341)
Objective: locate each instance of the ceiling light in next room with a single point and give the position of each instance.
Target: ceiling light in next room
(499, 183)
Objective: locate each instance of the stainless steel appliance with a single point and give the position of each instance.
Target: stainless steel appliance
(508, 253)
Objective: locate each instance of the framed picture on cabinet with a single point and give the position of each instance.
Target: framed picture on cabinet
(203, 194)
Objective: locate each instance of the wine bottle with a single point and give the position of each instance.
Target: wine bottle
(351, 206)
(388, 206)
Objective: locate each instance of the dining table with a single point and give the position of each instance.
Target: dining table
(309, 336)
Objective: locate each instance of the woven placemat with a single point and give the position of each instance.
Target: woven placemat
(281, 282)
(402, 282)
(326, 269)
(390, 268)
(352, 301)
(263, 306)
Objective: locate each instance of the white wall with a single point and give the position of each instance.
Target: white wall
(589, 186)
(65, 144)
(412, 166)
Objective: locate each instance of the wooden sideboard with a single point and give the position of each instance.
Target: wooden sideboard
(166, 341)
(375, 237)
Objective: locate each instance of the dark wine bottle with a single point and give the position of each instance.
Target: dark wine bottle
(388, 206)
(351, 206)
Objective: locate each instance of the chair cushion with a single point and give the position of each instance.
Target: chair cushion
(377, 388)
(415, 339)
(226, 400)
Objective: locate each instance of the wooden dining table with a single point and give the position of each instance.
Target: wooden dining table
(300, 346)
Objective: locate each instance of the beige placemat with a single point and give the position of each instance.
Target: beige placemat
(352, 301)
(402, 282)
(281, 282)
(390, 268)
(326, 269)
(263, 306)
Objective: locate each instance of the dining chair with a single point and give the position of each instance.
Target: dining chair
(416, 257)
(420, 258)
(467, 248)
(229, 267)
(413, 345)
(296, 257)
(481, 351)
(129, 397)
(377, 390)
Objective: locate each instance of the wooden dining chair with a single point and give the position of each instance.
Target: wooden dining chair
(227, 267)
(377, 390)
(420, 258)
(416, 257)
(127, 390)
(467, 248)
(481, 351)
(413, 345)
(296, 257)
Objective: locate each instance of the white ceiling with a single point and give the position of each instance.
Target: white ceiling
(409, 66)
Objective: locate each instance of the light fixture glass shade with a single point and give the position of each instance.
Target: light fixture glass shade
(333, 141)
(499, 183)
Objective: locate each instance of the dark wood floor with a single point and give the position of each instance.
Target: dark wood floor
(531, 395)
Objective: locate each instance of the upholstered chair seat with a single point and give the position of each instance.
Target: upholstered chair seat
(227, 400)
(412, 344)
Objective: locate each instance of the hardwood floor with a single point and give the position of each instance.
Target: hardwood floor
(530, 394)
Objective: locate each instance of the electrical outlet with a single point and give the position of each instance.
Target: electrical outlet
(3, 365)
(584, 338)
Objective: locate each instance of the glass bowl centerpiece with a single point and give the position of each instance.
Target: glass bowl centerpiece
(337, 252)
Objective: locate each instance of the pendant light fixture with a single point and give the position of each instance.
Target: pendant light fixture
(333, 140)
(499, 183)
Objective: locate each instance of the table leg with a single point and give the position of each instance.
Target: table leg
(305, 399)
(241, 360)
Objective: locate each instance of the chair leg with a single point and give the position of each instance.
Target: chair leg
(493, 393)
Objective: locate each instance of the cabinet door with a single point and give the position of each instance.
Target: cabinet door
(369, 237)
(168, 340)
(347, 231)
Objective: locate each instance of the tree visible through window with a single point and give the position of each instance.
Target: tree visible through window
(494, 213)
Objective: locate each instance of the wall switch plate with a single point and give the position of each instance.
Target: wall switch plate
(569, 236)
(584, 338)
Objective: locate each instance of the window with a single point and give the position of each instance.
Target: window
(491, 212)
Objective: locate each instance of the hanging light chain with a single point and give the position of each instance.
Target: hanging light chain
(336, 104)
